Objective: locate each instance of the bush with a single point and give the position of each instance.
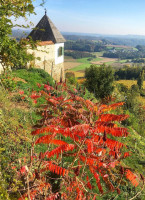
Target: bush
(122, 88)
(7, 80)
(99, 80)
(77, 150)
(70, 76)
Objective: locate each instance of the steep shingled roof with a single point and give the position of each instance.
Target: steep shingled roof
(46, 31)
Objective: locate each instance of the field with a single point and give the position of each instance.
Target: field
(119, 46)
(129, 83)
(78, 66)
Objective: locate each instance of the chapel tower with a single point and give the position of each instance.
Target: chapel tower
(50, 48)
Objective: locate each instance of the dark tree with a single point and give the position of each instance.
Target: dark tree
(99, 80)
(140, 80)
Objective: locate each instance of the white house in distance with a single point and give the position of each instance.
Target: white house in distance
(50, 48)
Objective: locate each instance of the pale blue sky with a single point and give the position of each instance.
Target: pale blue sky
(94, 16)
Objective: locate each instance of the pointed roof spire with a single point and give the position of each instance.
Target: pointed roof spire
(46, 31)
(45, 11)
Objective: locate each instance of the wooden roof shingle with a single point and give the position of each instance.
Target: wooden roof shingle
(46, 31)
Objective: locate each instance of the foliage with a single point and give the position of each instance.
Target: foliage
(140, 80)
(7, 80)
(14, 144)
(139, 60)
(79, 54)
(124, 54)
(123, 41)
(128, 73)
(81, 158)
(69, 74)
(85, 45)
(133, 107)
(12, 53)
(136, 54)
(99, 80)
(70, 78)
(122, 88)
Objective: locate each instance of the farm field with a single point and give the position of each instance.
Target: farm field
(129, 83)
(78, 66)
(119, 46)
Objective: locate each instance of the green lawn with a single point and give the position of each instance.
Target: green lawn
(98, 54)
(122, 61)
(109, 63)
(32, 77)
(83, 60)
(85, 63)
(81, 67)
(97, 59)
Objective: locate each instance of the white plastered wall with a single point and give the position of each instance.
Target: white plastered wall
(45, 53)
(58, 59)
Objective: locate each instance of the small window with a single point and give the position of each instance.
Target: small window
(60, 51)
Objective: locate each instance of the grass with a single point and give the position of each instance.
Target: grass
(109, 63)
(85, 64)
(123, 61)
(81, 67)
(136, 145)
(97, 59)
(82, 63)
(99, 54)
(30, 78)
(83, 60)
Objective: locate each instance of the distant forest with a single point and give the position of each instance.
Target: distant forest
(82, 43)
(114, 40)
(131, 41)
(19, 33)
(85, 45)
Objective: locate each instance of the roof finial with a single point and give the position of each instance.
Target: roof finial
(45, 11)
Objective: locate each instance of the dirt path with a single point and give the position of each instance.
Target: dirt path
(70, 65)
(104, 60)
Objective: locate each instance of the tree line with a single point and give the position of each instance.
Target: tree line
(85, 45)
(79, 54)
(128, 73)
(127, 54)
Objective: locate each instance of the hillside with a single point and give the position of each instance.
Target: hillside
(19, 109)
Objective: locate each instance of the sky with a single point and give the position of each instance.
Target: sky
(114, 17)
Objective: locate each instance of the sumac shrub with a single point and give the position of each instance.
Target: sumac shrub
(76, 153)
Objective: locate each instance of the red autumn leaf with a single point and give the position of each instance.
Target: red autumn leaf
(22, 98)
(112, 117)
(54, 168)
(49, 128)
(35, 101)
(88, 183)
(48, 88)
(132, 177)
(126, 154)
(24, 170)
(21, 92)
(75, 90)
(35, 96)
(39, 85)
(53, 102)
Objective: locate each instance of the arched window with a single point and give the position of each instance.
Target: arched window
(60, 51)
